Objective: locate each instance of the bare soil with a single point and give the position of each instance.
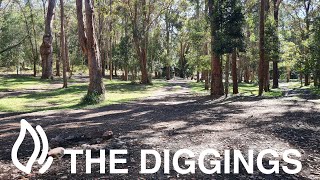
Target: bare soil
(173, 118)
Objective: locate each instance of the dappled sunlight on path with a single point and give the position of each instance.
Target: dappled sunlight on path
(173, 118)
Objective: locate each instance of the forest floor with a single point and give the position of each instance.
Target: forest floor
(174, 117)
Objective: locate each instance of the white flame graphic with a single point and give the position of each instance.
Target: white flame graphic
(25, 126)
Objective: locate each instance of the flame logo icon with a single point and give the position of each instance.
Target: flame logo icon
(25, 126)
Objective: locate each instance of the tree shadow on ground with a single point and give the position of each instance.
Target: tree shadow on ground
(60, 97)
(177, 122)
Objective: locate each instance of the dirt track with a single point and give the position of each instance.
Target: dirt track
(175, 119)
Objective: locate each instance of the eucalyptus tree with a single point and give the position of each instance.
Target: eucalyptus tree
(276, 7)
(184, 50)
(251, 34)
(302, 14)
(234, 34)
(226, 20)
(196, 30)
(272, 50)
(63, 44)
(198, 38)
(46, 48)
(262, 47)
(88, 42)
(156, 50)
(315, 52)
(216, 66)
(143, 14)
(33, 35)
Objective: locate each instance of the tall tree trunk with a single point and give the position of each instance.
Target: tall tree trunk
(206, 80)
(226, 72)
(182, 59)
(234, 72)
(261, 48)
(206, 72)
(104, 56)
(306, 79)
(168, 47)
(115, 70)
(103, 59)
(33, 44)
(266, 76)
(216, 83)
(301, 75)
(253, 73)
(81, 30)
(110, 43)
(142, 54)
(102, 40)
(58, 56)
(288, 74)
(88, 42)
(126, 73)
(36, 54)
(67, 52)
(307, 7)
(275, 78)
(143, 64)
(198, 55)
(110, 60)
(240, 71)
(63, 46)
(246, 71)
(168, 73)
(126, 64)
(198, 76)
(216, 68)
(46, 47)
(140, 36)
(275, 84)
(96, 85)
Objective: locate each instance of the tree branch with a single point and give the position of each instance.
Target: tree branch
(14, 46)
